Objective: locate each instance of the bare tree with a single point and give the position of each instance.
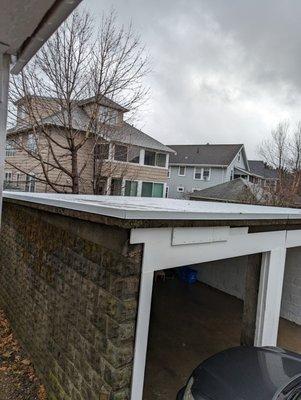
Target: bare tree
(282, 151)
(81, 65)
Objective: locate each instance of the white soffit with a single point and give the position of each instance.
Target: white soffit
(156, 209)
(26, 25)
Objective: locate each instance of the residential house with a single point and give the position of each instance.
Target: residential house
(196, 167)
(263, 173)
(124, 161)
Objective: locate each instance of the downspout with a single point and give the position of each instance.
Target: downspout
(4, 80)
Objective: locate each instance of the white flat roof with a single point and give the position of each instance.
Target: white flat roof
(156, 209)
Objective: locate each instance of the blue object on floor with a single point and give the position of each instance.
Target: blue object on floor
(187, 275)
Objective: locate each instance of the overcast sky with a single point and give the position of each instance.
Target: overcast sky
(223, 71)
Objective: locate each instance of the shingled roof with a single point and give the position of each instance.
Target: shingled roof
(206, 154)
(260, 168)
(125, 133)
(236, 191)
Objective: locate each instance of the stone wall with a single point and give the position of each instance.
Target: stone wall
(70, 290)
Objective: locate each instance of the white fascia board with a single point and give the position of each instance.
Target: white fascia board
(52, 20)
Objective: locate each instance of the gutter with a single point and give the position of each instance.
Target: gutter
(53, 18)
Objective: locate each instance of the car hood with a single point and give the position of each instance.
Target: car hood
(245, 373)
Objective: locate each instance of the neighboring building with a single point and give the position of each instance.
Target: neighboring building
(263, 173)
(197, 167)
(126, 162)
(238, 190)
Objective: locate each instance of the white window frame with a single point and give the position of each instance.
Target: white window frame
(180, 189)
(10, 150)
(31, 143)
(179, 169)
(202, 174)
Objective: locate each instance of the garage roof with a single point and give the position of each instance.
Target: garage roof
(26, 25)
(137, 208)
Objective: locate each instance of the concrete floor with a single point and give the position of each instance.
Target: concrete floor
(189, 323)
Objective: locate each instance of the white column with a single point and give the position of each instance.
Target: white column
(108, 186)
(139, 189)
(270, 296)
(145, 300)
(4, 79)
(141, 156)
(123, 187)
(167, 161)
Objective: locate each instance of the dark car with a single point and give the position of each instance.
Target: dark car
(246, 373)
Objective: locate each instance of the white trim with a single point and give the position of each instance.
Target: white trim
(179, 168)
(269, 301)
(160, 253)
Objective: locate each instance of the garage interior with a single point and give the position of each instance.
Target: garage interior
(189, 323)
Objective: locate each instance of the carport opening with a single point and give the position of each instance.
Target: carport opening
(191, 322)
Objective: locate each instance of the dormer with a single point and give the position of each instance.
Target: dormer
(34, 108)
(106, 110)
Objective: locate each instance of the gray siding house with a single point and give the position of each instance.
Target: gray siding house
(197, 167)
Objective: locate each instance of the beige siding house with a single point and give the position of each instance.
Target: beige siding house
(119, 160)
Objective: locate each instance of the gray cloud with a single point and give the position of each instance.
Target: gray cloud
(223, 71)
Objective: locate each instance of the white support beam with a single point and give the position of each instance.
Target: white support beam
(142, 329)
(4, 80)
(269, 298)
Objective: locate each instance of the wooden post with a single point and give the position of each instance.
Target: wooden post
(251, 299)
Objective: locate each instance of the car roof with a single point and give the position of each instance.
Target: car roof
(246, 373)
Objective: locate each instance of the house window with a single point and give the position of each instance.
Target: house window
(161, 160)
(108, 116)
(131, 188)
(152, 189)
(10, 150)
(30, 183)
(121, 153)
(134, 155)
(101, 151)
(116, 187)
(166, 191)
(8, 177)
(206, 174)
(169, 172)
(18, 179)
(154, 159)
(182, 170)
(180, 189)
(202, 174)
(31, 143)
(150, 158)
(198, 173)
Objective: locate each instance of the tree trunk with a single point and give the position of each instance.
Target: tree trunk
(75, 177)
